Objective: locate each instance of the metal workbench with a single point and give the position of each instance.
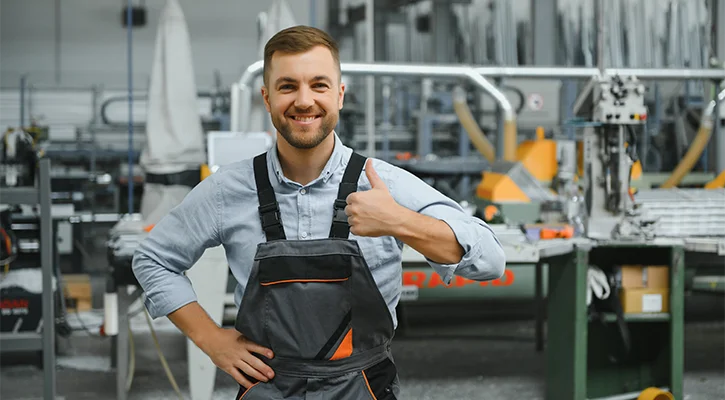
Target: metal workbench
(578, 350)
(38, 341)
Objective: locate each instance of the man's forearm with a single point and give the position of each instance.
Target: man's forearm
(195, 323)
(429, 236)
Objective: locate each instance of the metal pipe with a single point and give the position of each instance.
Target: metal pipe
(241, 109)
(600, 35)
(370, 80)
(23, 86)
(718, 131)
(587, 73)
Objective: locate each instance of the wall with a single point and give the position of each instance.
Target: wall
(92, 43)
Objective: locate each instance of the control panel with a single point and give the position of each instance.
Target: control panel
(619, 101)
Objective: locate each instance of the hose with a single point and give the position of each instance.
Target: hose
(696, 147)
(478, 138)
(509, 127)
(160, 353)
(509, 140)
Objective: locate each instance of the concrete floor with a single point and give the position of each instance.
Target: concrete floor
(473, 351)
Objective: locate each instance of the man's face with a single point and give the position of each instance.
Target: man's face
(304, 96)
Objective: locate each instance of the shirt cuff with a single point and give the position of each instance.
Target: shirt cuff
(471, 252)
(175, 293)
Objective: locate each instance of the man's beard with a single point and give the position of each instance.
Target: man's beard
(304, 137)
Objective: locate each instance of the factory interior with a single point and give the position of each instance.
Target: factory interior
(588, 134)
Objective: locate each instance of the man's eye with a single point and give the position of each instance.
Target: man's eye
(320, 85)
(286, 87)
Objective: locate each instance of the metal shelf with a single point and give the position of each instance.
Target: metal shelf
(639, 317)
(44, 341)
(19, 195)
(21, 341)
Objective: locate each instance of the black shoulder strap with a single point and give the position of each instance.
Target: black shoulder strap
(268, 207)
(340, 228)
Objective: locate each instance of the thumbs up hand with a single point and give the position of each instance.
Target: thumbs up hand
(373, 212)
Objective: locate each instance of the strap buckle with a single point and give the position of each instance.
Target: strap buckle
(339, 211)
(340, 204)
(270, 215)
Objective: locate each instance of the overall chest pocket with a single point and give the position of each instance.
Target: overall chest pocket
(307, 304)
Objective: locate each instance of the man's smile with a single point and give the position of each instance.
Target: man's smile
(304, 119)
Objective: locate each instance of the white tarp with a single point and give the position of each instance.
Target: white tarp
(278, 17)
(174, 136)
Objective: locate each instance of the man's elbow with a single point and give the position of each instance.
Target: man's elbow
(492, 264)
(143, 268)
(497, 262)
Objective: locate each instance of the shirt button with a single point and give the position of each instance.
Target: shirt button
(304, 234)
(303, 191)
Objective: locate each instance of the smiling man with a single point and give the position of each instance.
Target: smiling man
(314, 244)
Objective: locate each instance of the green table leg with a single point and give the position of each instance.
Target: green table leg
(539, 305)
(566, 355)
(677, 313)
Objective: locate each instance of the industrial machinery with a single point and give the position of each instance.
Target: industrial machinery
(609, 155)
(17, 159)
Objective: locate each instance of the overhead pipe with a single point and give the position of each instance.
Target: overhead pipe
(469, 124)
(241, 96)
(241, 91)
(241, 105)
(589, 72)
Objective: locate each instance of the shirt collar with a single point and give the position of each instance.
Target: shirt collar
(336, 158)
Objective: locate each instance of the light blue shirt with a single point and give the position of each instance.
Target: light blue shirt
(222, 210)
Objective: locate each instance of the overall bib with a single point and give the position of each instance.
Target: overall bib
(315, 304)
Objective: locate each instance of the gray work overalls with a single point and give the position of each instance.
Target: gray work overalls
(315, 304)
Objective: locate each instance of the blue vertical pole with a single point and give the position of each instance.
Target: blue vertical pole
(130, 104)
(23, 84)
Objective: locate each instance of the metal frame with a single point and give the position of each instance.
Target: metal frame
(45, 341)
(241, 92)
(567, 354)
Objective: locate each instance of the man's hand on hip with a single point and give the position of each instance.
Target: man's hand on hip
(373, 212)
(232, 353)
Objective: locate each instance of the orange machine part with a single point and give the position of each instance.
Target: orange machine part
(500, 188)
(539, 157)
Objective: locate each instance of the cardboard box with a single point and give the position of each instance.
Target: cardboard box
(636, 301)
(77, 291)
(644, 277)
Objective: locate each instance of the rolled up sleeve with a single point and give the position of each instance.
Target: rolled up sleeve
(174, 245)
(483, 258)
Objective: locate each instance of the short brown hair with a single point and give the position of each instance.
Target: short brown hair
(298, 39)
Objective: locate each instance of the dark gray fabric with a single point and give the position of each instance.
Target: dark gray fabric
(297, 319)
(316, 247)
(302, 298)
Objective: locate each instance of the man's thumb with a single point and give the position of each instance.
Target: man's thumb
(373, 177)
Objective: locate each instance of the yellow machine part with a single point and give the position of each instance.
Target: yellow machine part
(205, 171)
(539, 156)
(497, 187)
(718, 182)
(636, 171)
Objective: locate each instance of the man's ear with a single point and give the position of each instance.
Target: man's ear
(342, 96)
(265, 97)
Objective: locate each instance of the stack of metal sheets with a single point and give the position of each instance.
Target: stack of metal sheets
(684, 212)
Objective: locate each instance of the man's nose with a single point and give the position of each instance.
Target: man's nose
(304, 98)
